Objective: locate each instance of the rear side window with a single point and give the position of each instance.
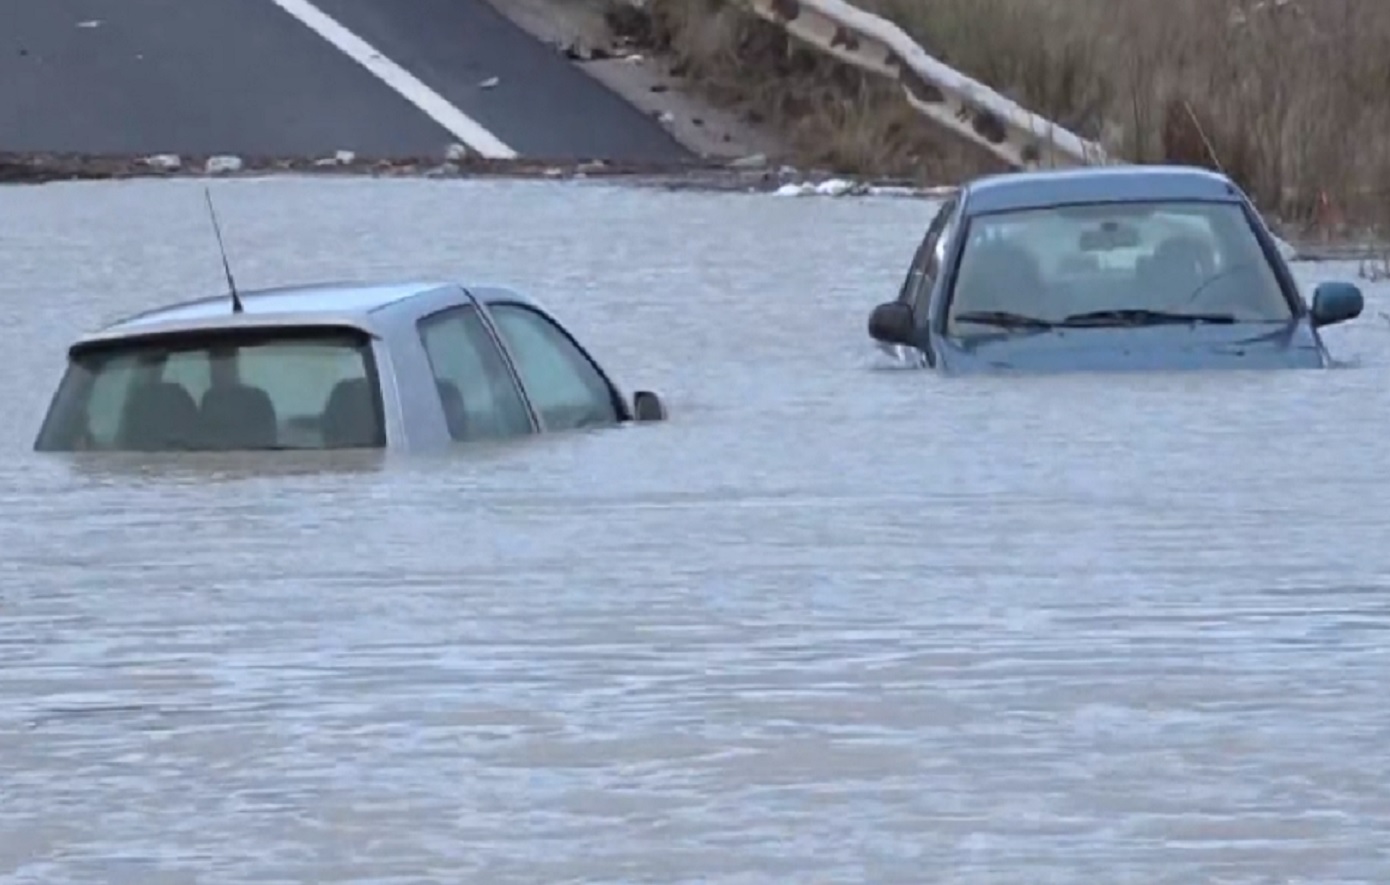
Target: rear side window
(254, 389)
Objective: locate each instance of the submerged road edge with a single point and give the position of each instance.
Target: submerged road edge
(17, 169)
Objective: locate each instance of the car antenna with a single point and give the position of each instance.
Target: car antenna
(222, 249)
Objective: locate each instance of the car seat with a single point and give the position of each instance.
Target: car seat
(238, 416)
(1002, 276)
(455, 413)
(159, 416)
(350, 417)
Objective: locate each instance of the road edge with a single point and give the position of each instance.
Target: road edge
(578, 30)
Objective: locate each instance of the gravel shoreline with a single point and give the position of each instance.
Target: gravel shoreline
(751, 174)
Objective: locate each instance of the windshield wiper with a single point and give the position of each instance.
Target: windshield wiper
(1139, 317)
(1003, 319)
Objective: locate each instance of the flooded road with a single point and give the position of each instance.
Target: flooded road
(831, 623)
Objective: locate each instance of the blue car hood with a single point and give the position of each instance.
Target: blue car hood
(1289, 345)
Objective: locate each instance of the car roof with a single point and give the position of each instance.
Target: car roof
(351, 304)
(1096, 184)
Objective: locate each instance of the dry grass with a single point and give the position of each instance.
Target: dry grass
(831, 116)
(1293, 97)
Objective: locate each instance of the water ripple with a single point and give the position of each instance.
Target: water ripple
(830, 624)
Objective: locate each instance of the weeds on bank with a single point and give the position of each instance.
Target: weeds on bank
(1375, 269)
(1291, 96)
(832, 116)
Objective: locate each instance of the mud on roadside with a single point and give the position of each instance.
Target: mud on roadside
(696, 174)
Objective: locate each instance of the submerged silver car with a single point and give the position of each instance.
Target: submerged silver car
(406, 366)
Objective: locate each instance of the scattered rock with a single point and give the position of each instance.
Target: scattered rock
(575, 52)
(339, 158)
(698, 175)
(168, 162)
(894, 190)
(222, 163)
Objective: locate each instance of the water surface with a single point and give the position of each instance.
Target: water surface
(832, 623)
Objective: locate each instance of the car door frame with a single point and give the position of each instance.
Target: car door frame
(463, 299)
(918, 289)
(615, 393)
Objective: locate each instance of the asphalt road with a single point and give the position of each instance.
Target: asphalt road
(247, 77)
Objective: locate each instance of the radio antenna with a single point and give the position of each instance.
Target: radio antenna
(222, 249)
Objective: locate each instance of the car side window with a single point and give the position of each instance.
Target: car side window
(563, 383)
(914, 271)
(927, 261)
(476, 389)
(941, 228)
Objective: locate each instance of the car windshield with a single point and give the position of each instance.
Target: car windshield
(313, 388)
(1113, 264)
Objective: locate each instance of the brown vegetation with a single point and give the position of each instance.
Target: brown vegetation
(1290, 97)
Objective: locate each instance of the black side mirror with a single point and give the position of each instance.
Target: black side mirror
(892, 323)
(1336, 303)
(647, 406)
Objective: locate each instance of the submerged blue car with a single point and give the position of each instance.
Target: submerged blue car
(1110, 268)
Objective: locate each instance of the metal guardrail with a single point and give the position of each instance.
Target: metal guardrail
(939, 92)
(944, 95)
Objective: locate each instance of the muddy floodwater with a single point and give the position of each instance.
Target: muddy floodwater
(834, 622)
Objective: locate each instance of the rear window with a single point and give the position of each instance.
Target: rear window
(253, 389)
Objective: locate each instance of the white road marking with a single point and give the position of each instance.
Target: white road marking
(404, 83)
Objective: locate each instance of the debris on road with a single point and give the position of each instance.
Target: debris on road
(222, 164)
(711, 175)
(167, 162)
(752, 161)
(339, 158)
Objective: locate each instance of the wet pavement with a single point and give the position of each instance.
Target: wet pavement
(834, 622)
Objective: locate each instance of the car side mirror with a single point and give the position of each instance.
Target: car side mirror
(647, 406)
(1336, 303)
(892, 323)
